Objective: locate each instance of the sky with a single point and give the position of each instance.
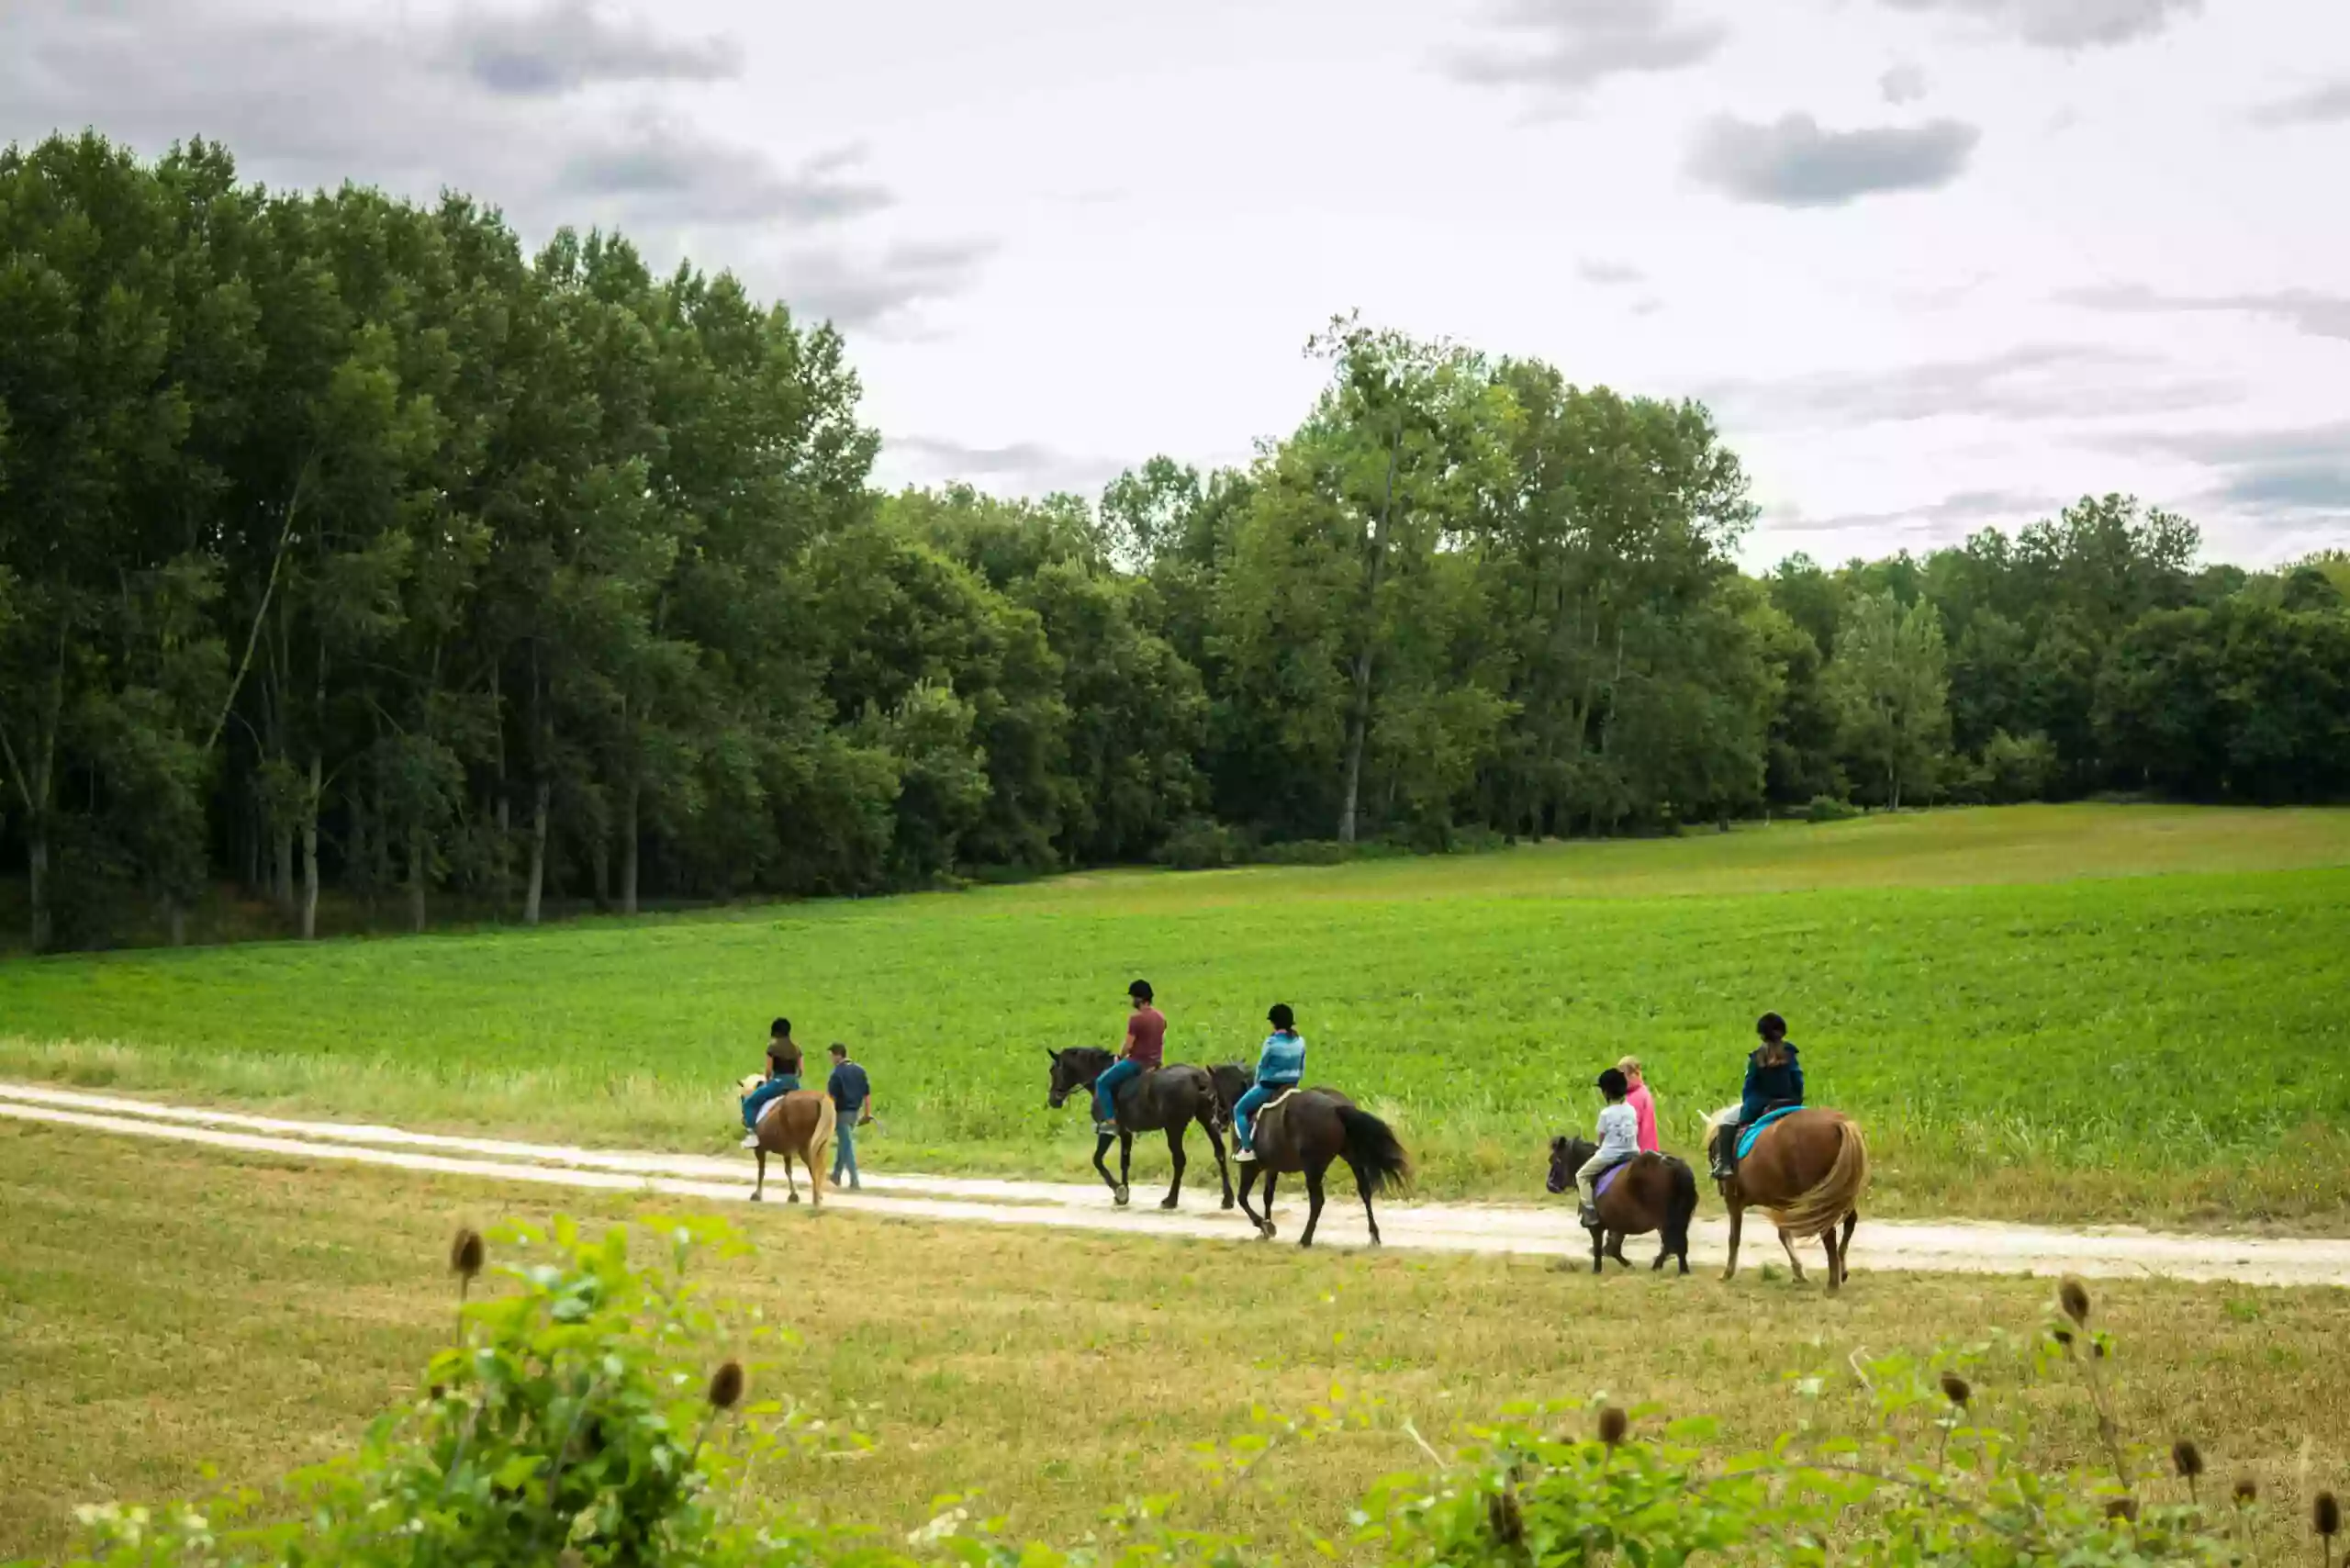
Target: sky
(1935, 264)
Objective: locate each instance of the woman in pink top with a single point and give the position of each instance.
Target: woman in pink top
(1642, 1103)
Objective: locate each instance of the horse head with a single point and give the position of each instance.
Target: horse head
(1567, 1157)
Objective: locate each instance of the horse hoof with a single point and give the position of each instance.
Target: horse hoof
(757, 1199)
(793, 1199)
(1227, 1206)
(1121, 1197)
(1266, 1232)
(1167, 1204)
(1729, 1274)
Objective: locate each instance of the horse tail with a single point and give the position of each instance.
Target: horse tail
(820, 1143)
(1372, 1148)
(1838, 1194)
(1679, 1207)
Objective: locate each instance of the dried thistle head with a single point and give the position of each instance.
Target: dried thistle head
(1613, 1425)
(2248, 1491)
(466, 1253)
(2325, 1516)
(2074, 1296)
(2063, 1337)
(1955, 1390)
(726, 1386)
(2122, 1508)
(2186, 1459)
(1507, 1519)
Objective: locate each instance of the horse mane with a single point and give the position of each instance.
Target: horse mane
(1085, 1054)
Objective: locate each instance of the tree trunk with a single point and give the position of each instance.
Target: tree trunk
(281, 874)
(505, 858)
(37, 878)
(628, 848)
(1359, 710)
(175, 912)
(599, 859)
(310, 851)
(533, 889)
(416, 879)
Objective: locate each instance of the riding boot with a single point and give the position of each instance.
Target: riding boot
(1726, 1152)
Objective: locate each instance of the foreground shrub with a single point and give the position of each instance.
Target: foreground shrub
(601, 1411)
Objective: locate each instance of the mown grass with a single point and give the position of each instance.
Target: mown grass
(2027, 1023)
(166, 1307)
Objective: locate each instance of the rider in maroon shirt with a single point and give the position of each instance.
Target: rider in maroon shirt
(1145, 1047)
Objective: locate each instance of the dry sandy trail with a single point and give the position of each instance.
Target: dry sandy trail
(1900, 1245)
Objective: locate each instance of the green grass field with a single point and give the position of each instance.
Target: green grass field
(2068, 1013)
(165, 1308)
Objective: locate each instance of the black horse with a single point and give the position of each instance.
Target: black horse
(1168, 1100)
(1651, 1191)
(1304, 1131)
(1232, 1080)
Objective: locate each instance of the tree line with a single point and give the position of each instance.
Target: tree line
(346, 546)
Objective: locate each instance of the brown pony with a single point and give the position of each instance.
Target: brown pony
(798, 1125)
(1651, 1191)
(1807, 1170)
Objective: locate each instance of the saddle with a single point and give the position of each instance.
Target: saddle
(1753, 1129)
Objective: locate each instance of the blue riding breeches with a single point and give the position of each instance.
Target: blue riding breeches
(1244, 1112)
(757, 1099)
(1105, 1088)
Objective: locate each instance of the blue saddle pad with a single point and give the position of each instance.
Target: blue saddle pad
(1754, 1129)
(1608, 1179)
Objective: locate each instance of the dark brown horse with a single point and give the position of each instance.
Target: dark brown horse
(1650, 1193)
(798, 1125)
(1304, 1131)
(1168, 1100)
(1807, 1170)
(1232, 1080)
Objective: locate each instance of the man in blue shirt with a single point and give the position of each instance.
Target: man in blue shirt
(852, 1094)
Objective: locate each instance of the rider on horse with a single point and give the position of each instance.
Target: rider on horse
(783, 1077)
(1146, 1044)
(1773, 1081)
(1281, 1065)
(1619, 1140)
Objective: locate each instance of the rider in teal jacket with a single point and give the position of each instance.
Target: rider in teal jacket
(1281, 1065)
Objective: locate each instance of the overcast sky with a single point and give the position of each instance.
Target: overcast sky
(1936, 263)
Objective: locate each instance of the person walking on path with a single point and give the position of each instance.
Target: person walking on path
(1642, 1103)
(852, 1094)
(1145, 1046)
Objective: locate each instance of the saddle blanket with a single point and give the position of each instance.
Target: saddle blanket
(1607, 1177)
(1747, 1135)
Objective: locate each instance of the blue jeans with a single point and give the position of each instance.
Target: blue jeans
(1105, 1088)
(756, 1100)
(844, 1147)
(1244, 1113)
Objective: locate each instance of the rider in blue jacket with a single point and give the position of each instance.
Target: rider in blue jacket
(1281, 1065)
(1773, 1078)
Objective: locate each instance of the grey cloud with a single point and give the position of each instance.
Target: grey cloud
(2290, 471)
(1025, 467)
(2306, 310)
(1961, 512)
(1795, 162)
(2033, 382)
(565, 45)
(680, 176)
(1902, 85)
(2067, 24)
(1607, 273)
(2322, 105)
(881, 293)
(1566, 47)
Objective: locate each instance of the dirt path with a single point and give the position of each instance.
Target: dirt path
(1902, 1245)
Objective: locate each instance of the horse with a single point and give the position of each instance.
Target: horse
(1304, 1130)
(1232, 1080)
(1166, 1099)
(1649, 1191)
(798, 1125)
(1807, 1170)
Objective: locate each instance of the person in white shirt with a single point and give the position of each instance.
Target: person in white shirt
(1619, 1140)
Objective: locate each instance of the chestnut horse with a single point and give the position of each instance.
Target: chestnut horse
(1807, 1170)
(798, 1125)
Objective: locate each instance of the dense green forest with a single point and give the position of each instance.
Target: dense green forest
(344, 546)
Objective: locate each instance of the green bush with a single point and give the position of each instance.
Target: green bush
(1201, 844)
(1829, 809)
(595, 1414)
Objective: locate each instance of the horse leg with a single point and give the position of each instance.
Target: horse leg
(1125, 1165)
(1362, 1185)
(1248, 1185)
(1737, 1223)
(1599, 1251)
(1175, 1153)
(1101, 1148)
(758, 1193)
(1216, 1142)
(789, 1180)
(1313, 1203)
(1844, 1247)
(1796, 1263)
(1616, 1248)
(1266, 1230)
